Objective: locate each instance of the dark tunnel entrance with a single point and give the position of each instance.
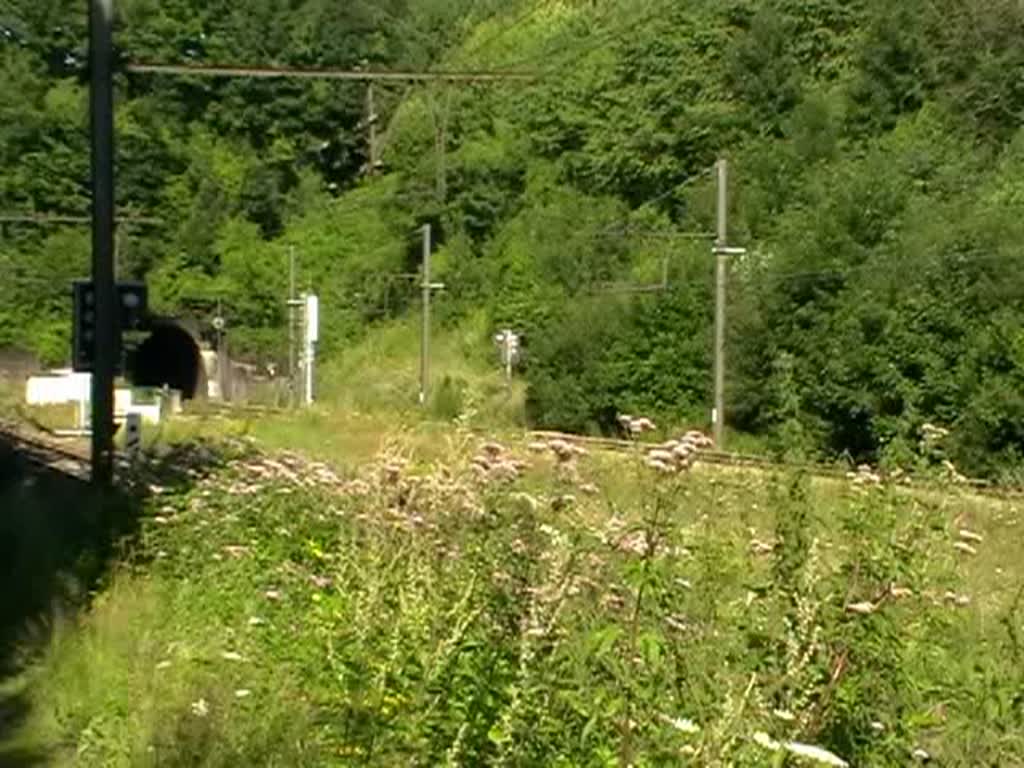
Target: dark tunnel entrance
(169, 357)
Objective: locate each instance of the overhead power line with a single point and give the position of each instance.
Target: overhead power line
(354, 75)
(529, 13)
(589, 43)
(43, 219)
(763, 278)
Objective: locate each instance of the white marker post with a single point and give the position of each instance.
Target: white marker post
(508, 345)
(133, 435)
(310, 338)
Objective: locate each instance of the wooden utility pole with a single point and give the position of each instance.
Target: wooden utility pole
(722, 253)
(101, 114)
(371, 127)
(425, 335)
(291, 326)
(721, 267)
(427, 288)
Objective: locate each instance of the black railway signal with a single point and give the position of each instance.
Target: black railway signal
(132, 310)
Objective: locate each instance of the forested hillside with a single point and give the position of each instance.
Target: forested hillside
(876, 161)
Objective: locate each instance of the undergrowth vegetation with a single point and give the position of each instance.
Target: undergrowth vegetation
(514, 608)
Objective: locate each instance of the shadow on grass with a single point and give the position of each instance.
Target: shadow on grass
(58, 537)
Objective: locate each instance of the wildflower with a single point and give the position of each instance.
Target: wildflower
(243, 693)
(357, 488)
(952, 472)
(641, 425)
(967, 549)
(681, 724)
(961, 601)
(920, 754)
(200, 708)
(877, 726)
(762, 739)
(967, 535)
(492, 449)
(658, 466)
(563, 451)
(635, 543)
(504, 472)
(759, 547)
(863, 609)
(684, 451)
(321, 582)
(550, 531)
(816, 754)
(677, 623)
(612, 601)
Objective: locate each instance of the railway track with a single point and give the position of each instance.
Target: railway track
(71, 456)
(721, 458)
(64, 455)
(741, 461)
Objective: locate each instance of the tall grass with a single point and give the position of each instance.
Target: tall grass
(381, 375)
(422, 610)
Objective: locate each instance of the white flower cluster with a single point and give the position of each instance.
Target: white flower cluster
(968, 541)
(636, 426)
(952, 474)
(806, 751)
(494, 463)
(864, 475)
(931, 436)
(678, 455)
(564, 451)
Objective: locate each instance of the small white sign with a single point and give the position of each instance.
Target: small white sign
(312, 319)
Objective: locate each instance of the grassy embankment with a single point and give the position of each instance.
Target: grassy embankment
(412, 610)
(401, 607)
